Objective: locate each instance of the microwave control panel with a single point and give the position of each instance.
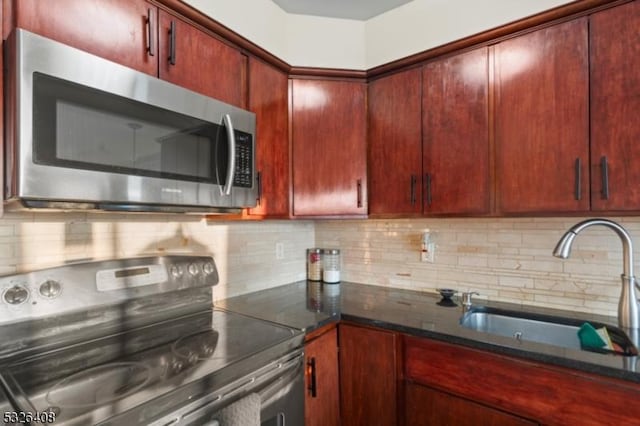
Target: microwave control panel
(244, 161)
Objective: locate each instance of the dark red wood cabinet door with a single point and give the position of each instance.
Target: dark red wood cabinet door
(113, 29)
(456, 134)
(368, 387)
(322, 393)
(615, 105)
(268, 99)
(542, 120)
(425, 406)
(329, 147)
(202, 63)
(395, 144)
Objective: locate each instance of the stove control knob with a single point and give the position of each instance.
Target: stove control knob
(193, 269)
(50, 289)
(16, 295)
(176, 271)
(208, 268)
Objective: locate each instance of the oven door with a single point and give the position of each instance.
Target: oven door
(280, 386)
(90, 131)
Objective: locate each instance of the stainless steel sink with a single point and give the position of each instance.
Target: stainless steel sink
(551, 330)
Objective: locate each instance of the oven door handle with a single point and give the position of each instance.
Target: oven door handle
(231, 160)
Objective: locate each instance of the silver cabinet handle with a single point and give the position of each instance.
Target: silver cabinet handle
(414, 180)
(578, 190)
(172, 43)
(150, 44)
(605, 178)
(231, 170)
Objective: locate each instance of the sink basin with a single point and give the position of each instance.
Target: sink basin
(551, 330)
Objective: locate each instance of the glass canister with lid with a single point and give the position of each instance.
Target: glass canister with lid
(331, 266)
(314, 264)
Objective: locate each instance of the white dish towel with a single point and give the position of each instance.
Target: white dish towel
(243, 412)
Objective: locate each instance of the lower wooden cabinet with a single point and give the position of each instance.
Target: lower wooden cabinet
(481, 384)
(322, 393)
(425, 406)
(368, 378)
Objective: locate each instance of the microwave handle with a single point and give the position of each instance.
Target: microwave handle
(231, 139)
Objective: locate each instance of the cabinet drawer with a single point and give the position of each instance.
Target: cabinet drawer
(551, 395)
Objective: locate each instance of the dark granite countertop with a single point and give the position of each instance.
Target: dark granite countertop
(310, 305)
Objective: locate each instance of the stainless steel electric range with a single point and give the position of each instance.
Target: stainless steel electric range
(136, 342)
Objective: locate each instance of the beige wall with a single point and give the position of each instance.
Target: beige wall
(315, 41)
(244, 252)
(503, 259)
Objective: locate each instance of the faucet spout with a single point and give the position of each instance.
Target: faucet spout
(628, 309)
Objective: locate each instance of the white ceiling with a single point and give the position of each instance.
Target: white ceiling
(360, 10)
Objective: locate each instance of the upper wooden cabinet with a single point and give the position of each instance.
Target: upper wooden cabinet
(196, 60)
(542, 120)
(136, 34)
(395, 144)
(329, 147)
(268, 99)
(455, 123)
(615, 104)
(123, 31)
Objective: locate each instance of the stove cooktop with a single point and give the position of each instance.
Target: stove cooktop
(151, 369)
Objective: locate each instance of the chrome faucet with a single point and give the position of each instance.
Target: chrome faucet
(628, 309)
(467, 303)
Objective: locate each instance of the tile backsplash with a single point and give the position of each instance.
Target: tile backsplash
(244, 251)
(505, 259)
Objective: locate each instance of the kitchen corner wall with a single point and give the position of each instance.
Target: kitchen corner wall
(244, 251)
(504, 259)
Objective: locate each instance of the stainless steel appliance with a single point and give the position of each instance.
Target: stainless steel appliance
(87, 133)
(136, 342)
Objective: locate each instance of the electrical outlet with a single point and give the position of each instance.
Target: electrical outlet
(279, 251)
(428, 255)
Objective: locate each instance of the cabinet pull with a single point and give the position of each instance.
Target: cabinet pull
(150, 40)
(311, 373)
(578, 189)
(259, 183)
(605, 178)
(428, 184)
(172, 43)
(414, 180)
(359, 190)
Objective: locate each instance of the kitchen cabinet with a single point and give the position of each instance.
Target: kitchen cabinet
(368, 376)
(269, 100)
(615, 102)
(515, 390)
(425, 406)
(191, 58)
(542, 120)
(123, 31)
(455, 111)
(329, 147)
(135, 33)
(395, 144)
(322, 395)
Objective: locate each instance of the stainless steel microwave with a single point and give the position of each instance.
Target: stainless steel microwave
(86, 133)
